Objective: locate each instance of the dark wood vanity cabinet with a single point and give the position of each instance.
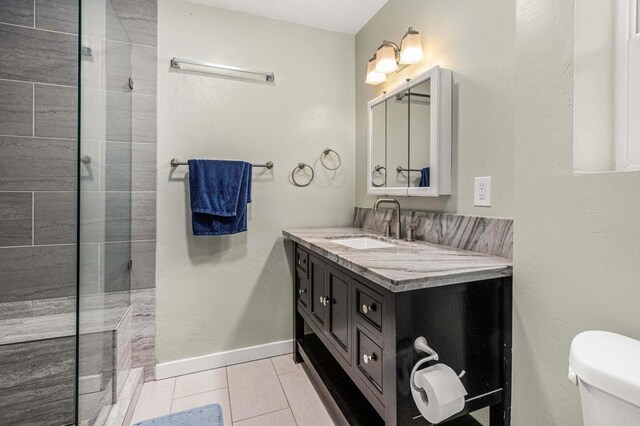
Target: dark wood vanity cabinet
(356, 341)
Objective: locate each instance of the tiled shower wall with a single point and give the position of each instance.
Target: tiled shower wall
(38, 130)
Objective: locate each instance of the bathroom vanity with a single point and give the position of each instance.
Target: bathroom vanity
(360, 301)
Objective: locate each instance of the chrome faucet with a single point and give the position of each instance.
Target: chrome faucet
(397, 204)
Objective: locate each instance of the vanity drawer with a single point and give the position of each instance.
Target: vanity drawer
(369, 305)
(369, 359)
(302, 260)
(303, 292)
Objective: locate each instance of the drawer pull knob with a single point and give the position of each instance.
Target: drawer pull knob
(366, 308)
(302, 291)
(324, 300)
(366, 358)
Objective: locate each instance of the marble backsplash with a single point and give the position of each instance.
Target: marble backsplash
(480, 234)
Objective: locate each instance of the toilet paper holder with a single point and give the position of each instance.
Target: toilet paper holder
(421, 345)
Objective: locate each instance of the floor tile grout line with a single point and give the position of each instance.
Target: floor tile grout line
(266, 414)
(173, 392)
(284, 391)
(197, 393)
(226, 375)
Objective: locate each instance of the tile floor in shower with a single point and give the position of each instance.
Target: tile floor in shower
(268, 392)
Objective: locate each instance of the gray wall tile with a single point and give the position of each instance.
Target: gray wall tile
(16, 108)
(30, 273)
(42, 360)
(56, 112)
(57, 15)
(15, 310)
(143, 334)
(89, 268)
(35, 55)
(117, 65)
(130, 216)
(143, 254)
(116, 273)
(90, 173)
(15, 218)
(145, 69)
(139, 18)
(143, 165)
(28, 164)
(53, 306)
(117, 165)
(54, 218)
(37, 383)
(143, 125)
(117, 216)
(118, 116)
(143, 216)
(18, 12)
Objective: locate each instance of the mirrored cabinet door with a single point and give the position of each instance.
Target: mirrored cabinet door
(414, 120)
(419, 105)
(378, 175)
(397, 132)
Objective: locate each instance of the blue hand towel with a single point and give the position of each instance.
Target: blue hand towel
(424, 177)
(220, 191)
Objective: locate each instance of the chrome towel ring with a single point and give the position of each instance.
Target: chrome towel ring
(325, 154)
(378, 169)
(299, 168)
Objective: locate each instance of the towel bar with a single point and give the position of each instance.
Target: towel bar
(175, 163)
(401, 169)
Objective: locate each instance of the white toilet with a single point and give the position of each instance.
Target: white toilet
(606, 368)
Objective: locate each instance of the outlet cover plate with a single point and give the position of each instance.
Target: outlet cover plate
(482, 192)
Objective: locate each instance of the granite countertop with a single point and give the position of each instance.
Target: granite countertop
(408, 265)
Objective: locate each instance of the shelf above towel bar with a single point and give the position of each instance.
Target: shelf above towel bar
(175, 163)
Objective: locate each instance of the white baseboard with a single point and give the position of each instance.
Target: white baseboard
(222, 359)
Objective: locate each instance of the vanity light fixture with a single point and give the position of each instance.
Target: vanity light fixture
(411, 47)
(389, 56)
(374, 77)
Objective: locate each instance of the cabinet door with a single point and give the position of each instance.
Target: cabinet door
(339, 321)
(318, 297)
(302, 291)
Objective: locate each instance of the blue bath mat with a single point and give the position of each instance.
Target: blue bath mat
(209, 415)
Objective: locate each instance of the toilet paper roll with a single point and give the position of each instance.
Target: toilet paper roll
(438, 392)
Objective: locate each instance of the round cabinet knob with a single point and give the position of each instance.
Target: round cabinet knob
(302, 291)
(366, 358)
(366, 308)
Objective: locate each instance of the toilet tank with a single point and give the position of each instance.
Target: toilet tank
(606, 368)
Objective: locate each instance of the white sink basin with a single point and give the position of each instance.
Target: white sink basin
(362, 243)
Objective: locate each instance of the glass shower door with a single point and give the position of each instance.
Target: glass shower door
(104, 231)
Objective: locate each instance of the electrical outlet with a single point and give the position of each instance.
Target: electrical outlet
(482, 192)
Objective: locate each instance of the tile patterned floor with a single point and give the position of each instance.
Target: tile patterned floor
(268, 392)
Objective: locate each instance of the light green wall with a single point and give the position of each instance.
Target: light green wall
(222, 293)
(475, 39)
(577, 250)
(577, 237)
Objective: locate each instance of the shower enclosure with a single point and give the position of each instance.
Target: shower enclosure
(104, 314)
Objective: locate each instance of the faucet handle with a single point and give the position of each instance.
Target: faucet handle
(387, 228)
(410, 228)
